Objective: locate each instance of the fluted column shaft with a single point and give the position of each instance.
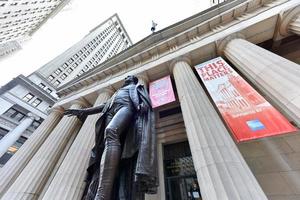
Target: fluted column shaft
(221, 170)
(12, 136)
(16, 164)
(294, 25)
(68, 182)
(32, 179)
(274, 75)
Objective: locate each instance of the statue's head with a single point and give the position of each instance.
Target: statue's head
(131, 79)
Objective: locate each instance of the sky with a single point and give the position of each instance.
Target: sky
(72, 24)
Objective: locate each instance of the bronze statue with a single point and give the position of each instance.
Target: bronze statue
(123, 163)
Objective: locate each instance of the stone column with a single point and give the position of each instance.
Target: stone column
(294, 26)
(12, 136)
(68, 182)
(32, 179)
(290, 22)
(16, 164)
(275, 76)
(221, 170)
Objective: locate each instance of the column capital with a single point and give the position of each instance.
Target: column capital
(109, 89)
(179, 59)
(287, 19)
(82, 102)
(143, 78)
(221, 44)
(58, 109)
(33, 116)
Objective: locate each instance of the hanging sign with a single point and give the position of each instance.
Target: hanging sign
(246, 112)
(161, 92)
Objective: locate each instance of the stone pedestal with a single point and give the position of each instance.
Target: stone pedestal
(12, 136)
(275, 76)
(221, 170)
(31, 181)
(16, 164)
(68, 182)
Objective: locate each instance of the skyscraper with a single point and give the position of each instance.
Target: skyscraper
(20, 19)
(104, 41)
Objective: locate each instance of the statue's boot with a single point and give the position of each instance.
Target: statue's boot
(117, 121)
(109, 165)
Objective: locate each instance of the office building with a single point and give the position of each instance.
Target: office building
(24, 107)
(19, 19)
(103, 42)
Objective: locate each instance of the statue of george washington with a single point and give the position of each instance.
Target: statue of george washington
(123, 163)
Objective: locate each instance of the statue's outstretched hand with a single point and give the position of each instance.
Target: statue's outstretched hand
(72, 112)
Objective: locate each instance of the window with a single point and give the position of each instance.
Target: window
(57, 82)
(81, 72)
(48, 90)
(58, 71)
(28, 97)
(65, 65)
(36, 102)
(63, 76)
(41, 85)
(14, 114)
(19, 116)
(74, 65)
(50, 78)
(69, 70)
(10, 112)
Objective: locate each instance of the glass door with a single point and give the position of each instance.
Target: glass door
(180, 176)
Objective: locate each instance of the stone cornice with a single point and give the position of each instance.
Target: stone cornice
(161, 42)
(109, 73)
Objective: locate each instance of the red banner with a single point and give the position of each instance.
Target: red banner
(246, 112)
(161, 92)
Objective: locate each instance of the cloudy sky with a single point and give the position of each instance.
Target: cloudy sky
(69, 26)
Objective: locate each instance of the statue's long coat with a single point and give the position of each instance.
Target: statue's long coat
(138, 166)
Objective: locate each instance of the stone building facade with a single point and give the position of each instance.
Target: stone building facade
(24, 106)
(259, 39)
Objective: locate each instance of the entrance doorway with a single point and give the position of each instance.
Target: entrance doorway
(180, 176)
